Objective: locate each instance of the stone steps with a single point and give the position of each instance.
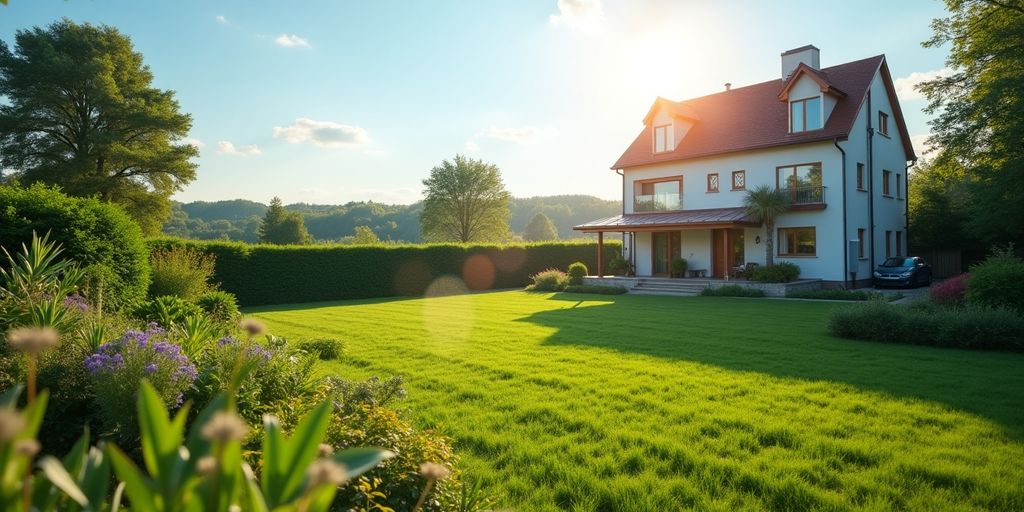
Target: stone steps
(685, 288)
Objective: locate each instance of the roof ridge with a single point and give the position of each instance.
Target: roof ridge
(774, 80)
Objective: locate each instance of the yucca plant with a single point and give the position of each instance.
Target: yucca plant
(35, 282)
(193, 334)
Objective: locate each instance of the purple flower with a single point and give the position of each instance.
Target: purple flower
(227, 340)
(102, 363)
(76, 301)
(150, 368)
(187, 371)
(258, 351)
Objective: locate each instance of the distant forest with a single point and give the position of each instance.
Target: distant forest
(239, 219)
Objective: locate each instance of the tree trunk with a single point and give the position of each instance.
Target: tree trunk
(769, 244)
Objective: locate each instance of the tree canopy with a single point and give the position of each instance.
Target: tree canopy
(979, 125)
(766, 204)
(466, 202)
(82, 114)
(540, 229)
(283, 227)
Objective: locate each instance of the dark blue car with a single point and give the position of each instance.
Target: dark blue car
(903, 271)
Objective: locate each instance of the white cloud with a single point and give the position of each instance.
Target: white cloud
(227, 148)
(291, 41)
(521, 135)
(471, 146)
(221, 19)
(906, 87)
(921, 145)
(326, 134)
(194, 142)
(586, 15)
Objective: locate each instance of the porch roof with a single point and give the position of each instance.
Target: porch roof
(683, 219)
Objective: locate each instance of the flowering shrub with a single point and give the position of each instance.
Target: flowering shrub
(951, 291)
(118, 367)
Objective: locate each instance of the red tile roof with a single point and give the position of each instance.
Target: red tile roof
(752, 117)
(681, 219)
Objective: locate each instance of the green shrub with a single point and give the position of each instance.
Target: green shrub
(373, 391)
(678, 267)
(857, 295)
(619, 266)
(180, 271)
(327, 349)
(265, 274)
(220, 305)
(732, 290)
(998, 281)
(100, 237)
(550, 280)
(600, 289)
(577, 271)
(783, 272)
(922, 324)
(167, 311)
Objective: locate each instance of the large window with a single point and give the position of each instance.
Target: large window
(886, 178)
(802, 181)
(663, 138)
(658, 195)
(805, 114)
(797, 242)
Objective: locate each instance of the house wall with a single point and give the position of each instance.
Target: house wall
(888, 152)
(760, 167)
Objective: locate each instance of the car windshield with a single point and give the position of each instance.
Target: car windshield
(899, 262)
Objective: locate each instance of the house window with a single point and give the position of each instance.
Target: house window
(713, 182)
(886, 175)
(805, 114)
(803, 182)
(860, 243)
(899, 243)
(659, 195)
(739, 180)
(860, 177)
(899, 187)
(888, 244)
(663, 138)
(797, 242)
(883, 123)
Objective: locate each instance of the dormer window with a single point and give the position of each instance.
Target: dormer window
(664, 138)
(805, 114)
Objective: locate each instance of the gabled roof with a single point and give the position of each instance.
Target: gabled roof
(674, 109)
(814, 74)
(752, 117)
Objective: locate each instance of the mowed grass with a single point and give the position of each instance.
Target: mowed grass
(640, 403)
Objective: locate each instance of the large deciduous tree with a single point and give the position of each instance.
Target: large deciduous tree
(82, 113)
(466, 202)
(979, 126)
(282, 227)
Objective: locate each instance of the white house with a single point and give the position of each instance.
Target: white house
(833, 137)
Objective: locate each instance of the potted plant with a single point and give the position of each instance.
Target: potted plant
(678, 267)
(619, 266)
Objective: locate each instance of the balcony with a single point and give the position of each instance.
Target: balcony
(657, 203)
(806, 198)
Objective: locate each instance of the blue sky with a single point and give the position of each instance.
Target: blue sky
(330, 101)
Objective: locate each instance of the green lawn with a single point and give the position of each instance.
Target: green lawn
(577, 402)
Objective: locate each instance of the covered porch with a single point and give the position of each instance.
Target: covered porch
(715, 242)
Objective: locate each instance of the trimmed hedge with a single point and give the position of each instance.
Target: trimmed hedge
(268, 274)
(732, 290)
(974, 328)
(854, 295)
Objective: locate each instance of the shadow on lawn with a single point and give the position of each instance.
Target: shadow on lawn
(788, 339)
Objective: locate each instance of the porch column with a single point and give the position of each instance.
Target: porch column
(600, 254)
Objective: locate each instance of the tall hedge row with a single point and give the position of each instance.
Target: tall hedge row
(266, 274)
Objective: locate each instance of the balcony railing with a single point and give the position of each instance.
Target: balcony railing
(657, 203)
(806, 195)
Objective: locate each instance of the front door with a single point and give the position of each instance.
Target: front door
(727, 251)
(665, 247)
